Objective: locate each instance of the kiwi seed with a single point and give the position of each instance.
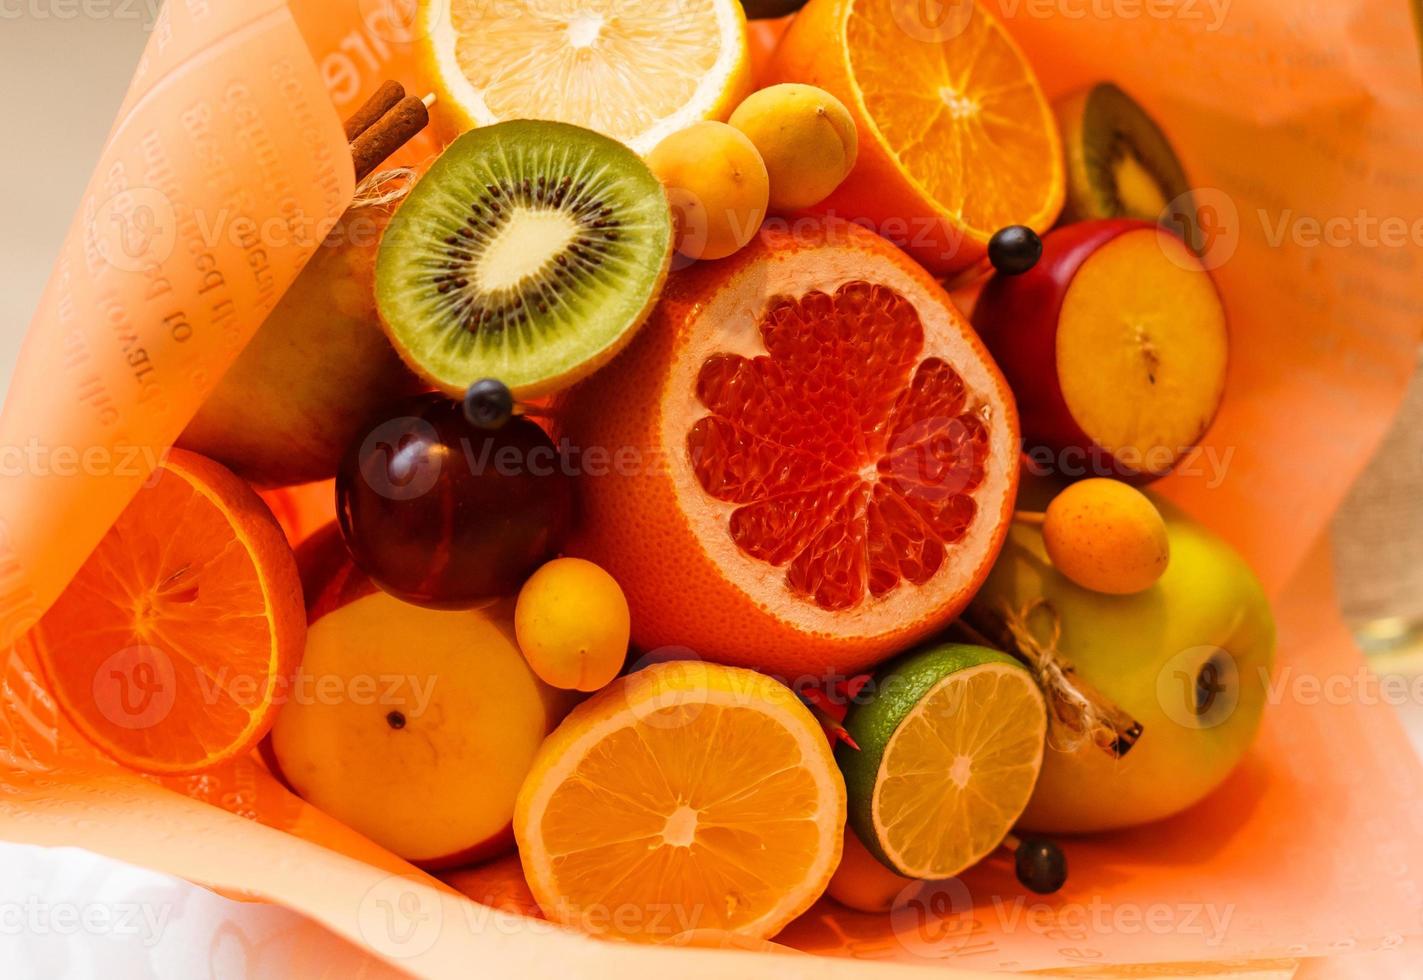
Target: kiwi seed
(530, 252)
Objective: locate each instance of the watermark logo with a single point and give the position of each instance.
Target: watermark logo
(395, 458)
(933, 919)
(400, 917)
(135, 688)
(135, 229)
(1208, 221)
(393, 21)
(1199, 687)
(932, 21)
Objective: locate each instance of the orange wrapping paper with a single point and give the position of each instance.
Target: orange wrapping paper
(1300, 125)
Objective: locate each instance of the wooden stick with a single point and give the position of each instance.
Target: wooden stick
(376, 106)
(388, 134)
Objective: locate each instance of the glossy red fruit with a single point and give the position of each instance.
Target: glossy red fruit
(443, 514)
(1115, 345)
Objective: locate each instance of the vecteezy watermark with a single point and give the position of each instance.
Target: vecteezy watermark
(1362, 686)
(942, 920)
(33, 916)
(1210, 13)
(937, 21)
(136, 687)
(137, 229)
(1206, 462)
(400, 916)
(144, 11)
(1361, 229)
(35, 458)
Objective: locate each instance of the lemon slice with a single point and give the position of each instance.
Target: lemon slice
(950, 747)
(637, 72)
(684, 798)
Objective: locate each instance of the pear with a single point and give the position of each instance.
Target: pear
(317, 369)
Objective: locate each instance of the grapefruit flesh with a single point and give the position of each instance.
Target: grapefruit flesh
(813, 457)
(852, 459)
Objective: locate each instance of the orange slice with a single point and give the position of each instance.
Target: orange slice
(637, 72)
(956, 137)
(171, 645)
(682, 799)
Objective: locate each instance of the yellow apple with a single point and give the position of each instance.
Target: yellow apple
(413, 726)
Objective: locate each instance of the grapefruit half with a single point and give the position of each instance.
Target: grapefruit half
(806, 462)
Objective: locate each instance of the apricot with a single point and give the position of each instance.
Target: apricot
(573, 625)
(807, 139)
(718, 188)
(862, 882)
(1106, 536)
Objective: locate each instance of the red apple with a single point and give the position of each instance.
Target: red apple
(1115, 345)
(413, 726)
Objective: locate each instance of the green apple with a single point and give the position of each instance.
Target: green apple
(1189, 659)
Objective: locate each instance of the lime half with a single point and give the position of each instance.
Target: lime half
(951, 742)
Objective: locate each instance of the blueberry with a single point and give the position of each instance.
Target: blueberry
(1041, 865)
(1015, 249)
(488, 404)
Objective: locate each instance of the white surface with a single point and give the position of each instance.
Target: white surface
(66, 914)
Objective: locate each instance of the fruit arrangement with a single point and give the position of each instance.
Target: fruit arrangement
(693, 542)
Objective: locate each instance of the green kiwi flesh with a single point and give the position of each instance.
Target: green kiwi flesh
(1120, 164)
(530, 252)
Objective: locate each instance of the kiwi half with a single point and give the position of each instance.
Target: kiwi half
(1120, 163)
(530, 252)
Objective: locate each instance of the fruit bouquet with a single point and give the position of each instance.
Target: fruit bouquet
(668, 484)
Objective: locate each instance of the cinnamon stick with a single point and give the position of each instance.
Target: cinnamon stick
(388, 134)
(377, 105)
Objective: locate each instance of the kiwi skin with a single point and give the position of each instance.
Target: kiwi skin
(549, 382)
(1101, 127)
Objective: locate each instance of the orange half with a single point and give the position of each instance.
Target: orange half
(170, 647)
(682, 801)
(957, 139)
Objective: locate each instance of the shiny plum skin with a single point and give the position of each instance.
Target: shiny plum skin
(442, 514)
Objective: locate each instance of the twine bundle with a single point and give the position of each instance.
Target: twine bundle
(1078, 711)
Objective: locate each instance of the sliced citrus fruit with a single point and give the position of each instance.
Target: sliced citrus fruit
(950, 744)
(956, 137)
(808, 459)
(171, 645)
(637, 72)
(683, 798)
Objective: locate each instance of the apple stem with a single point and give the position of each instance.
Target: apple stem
(1034, 517)
(1076, 705)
